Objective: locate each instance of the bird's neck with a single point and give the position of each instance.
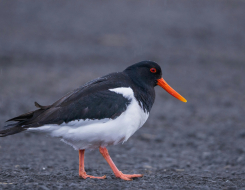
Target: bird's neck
(145, 97)
(144, 94)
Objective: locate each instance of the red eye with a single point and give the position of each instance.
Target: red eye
(153, 70)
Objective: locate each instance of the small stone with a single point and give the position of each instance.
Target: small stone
(43, 187)
(147, 166)
(147, 137)
(227, 167)
(24, 167)
(179, 170)
(206, 155)
(229, 184)
(242, 134)
(31, 180)
(240, 159)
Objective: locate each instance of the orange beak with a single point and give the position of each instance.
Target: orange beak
(161, 82)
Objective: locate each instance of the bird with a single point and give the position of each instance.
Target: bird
(105, 111)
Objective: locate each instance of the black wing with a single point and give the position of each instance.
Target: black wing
(92, 101)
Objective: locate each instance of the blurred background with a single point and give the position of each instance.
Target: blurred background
(49, 48)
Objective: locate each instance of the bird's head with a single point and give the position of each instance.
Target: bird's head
(150, 73)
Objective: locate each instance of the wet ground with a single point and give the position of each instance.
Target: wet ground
(48, 49)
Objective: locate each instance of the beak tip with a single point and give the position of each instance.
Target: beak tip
(161, 82)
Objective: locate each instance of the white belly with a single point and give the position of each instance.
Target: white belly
(95, 133)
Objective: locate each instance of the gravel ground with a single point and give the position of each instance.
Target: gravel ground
(50, 48)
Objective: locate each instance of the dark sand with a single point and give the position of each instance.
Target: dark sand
(48, 49)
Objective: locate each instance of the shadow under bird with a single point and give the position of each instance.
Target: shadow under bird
(105, 111)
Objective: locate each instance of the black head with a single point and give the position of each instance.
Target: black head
(148, 74)
(145, 73)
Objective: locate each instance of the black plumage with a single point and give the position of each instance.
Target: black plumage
(93, 100)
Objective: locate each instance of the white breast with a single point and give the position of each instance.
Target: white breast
(83, 134)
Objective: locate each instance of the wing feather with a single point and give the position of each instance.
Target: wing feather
(92, 101)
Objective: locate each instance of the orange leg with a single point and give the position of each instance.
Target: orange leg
(117, 173)
(82, 172)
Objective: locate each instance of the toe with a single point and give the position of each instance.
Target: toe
(102, 177)
(125, 178)
(133, 175)
(129, 176)
(84, 176)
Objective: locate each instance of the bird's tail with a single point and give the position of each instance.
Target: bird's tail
(11, 129)
(22, 122)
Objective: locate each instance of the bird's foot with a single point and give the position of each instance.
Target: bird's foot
(84, 176)
(127, 177)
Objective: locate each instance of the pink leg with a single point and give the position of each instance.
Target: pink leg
(82, 172)
(117, 173)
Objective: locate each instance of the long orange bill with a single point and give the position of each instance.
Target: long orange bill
(161, 82)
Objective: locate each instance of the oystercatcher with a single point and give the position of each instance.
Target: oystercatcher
(105, 111)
